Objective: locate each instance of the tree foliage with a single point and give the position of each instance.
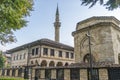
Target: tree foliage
(109, 4)
(12, 17)
(2, 60)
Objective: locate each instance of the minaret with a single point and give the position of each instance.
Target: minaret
(57, 25)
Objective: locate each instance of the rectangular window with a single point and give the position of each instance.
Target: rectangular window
(67, 54)
(33, 50)
(17, 57)
(14, 58)
(20, 57)
(24, 55)
(72, 55)
(36, 51)
(74, 74)
(52, 52)
(95, 74)
(45, 51)
(60, 53)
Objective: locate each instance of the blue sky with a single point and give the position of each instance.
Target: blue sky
(41, 21)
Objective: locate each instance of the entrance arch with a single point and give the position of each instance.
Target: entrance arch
(86, 58)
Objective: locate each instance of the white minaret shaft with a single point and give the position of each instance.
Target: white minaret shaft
(57, 26)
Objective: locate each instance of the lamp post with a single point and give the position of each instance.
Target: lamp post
(89, 40)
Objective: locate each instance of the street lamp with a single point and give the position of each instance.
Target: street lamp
(89, 40)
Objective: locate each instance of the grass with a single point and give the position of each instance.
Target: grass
(10, 78)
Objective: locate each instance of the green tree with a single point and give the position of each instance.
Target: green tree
(109, 4)
(12, 17)
(2, 60)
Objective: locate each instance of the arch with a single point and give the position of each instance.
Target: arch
(44, 63)
(59, 64)
(86, 58)
(82, 42)
(36, 62)
(52, 63)
(66, 64)
(119, 58)
(32, 62)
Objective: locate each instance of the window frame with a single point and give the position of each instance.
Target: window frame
(33, 51)
(52, 52)
(60, 54)
(67, 54)
(45, 51)
(72, 55)
(36, 51)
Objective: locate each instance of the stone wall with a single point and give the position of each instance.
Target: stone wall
(101, 44)
(116, 43)
(104, 36)
(83, 73)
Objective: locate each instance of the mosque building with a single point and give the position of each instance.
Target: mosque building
(95, 56)
(44, 52)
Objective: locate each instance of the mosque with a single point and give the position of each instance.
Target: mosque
(95, 56)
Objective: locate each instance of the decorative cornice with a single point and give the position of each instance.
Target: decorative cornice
(100, 24)
(94, 20)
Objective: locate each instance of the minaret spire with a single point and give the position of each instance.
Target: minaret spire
(57, 25)
(57, 11)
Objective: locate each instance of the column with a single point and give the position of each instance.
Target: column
(0, 72)
(83, 74)
(33, 73)
(23, 72)
(5, 74)
(10, 72)
(53, 74)
(66, 74)
(42, 75)
(16, 72)
(103, 74)
(30, 73)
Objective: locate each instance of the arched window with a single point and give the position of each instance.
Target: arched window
(36, 62)
(44, 63)
(66, 64)
(52, 63)
(119, 58)
(86, 58)
(31, 62)
(59, 64)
